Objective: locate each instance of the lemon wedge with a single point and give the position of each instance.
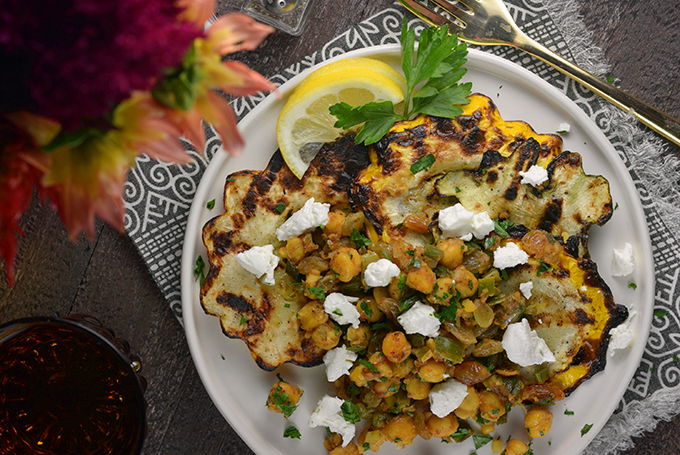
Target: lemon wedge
(305, 123)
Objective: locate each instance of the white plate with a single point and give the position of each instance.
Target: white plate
(239, 388)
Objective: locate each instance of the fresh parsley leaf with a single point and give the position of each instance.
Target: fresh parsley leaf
(280, 399)
(210, 204)
(610, 79)
(568, 412)
(461, 434)
(586, 428)
(660, 313)
(292, 432)
(359, 239)
(501, 227)
(350, 411)
(318, 293)
(632, 285)
(369, 366)
(231, 179)
(280, 207)
(423, 164)
(435, 70)
(481, 440)
(243, 320)
(199, 270)
(489, 242)
(544, 267)
(364, 307)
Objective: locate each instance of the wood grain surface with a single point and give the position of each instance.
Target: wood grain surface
(106, 277)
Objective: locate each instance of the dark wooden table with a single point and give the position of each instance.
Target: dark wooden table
(107, 278)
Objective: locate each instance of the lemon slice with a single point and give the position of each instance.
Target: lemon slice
(305, 124)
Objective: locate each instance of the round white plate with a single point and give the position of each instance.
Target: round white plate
(239, 388)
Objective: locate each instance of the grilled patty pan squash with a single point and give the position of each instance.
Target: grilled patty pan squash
(477, 159)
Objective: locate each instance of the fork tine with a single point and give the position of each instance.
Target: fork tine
(451, 8)
(425, 13)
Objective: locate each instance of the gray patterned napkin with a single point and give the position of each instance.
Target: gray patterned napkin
(158, 197)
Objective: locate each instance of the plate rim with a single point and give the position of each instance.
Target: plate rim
(189, 252)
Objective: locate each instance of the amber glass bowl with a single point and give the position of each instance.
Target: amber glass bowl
(69, 386)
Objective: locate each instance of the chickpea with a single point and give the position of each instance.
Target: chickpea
(421, 278)
(515, 447)
(368, 309)
(487, 428)
(374, 439)
(346, 262)
(383, 365)
(442, 427)
(349, 449)
(491, 406)
(415, 388)
(442, 291)
(432, 371)
(312, 315)
(470, 405)
(497, 446)
(466, 281)
(538, 421)
(453, 250)
(283, 394)
(335, 221)
(295, 249)
(401, 430)
(311, 280)
(386, 388)
(358, 336)
(396, 347)
(326, 336)
(360, 375)
(403, 369)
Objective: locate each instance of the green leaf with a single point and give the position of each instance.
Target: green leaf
(586, 428)
(359, 239)
(481, 440)
(210, 204)
(369, 366)
(423, 164)
(501, 227)
(350, 412)
(280, 207)
(199, 270)
(318, 293)
(568, 413)
(660, 313)
(73, 139)
(292, 432)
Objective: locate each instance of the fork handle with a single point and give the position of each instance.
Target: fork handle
(663, 124)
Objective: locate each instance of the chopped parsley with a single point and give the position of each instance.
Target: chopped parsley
(481, 440)
(423, 164)
(280, 207)
(199, 270)
(359, 239)
(568, 412)
(292, 432)
(318, 293)
(501, 227)
(364, 307)
(543, 268)
(350, 412)
(243, 320)
(280, 399)
(369, 366)
(632, 285)
(586, 428)
(210, 204)
(660, 313)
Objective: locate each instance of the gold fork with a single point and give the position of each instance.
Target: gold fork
(488, 22)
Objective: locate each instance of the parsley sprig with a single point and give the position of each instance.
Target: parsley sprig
(432, 88)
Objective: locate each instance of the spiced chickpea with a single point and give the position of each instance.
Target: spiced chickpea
(386, 388)
(470, 405)
(358, 336)
(279, 391)
(421, 278)
(346, 262)
(466, 282)
(515, 447)
(295, 249)
(312, 315)
(453, 250)
(491, 406)
(349, 449)
(404, 368)
(401, 430)
(336, 219)
(368, 309)
(396, 347)
(538, 421)
(432, 371)
(443, 290)
(442, 427)
(326, 336)
(374, 438)
(416, 389)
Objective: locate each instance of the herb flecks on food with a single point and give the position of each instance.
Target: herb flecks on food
(292, 432)
(435, 69)
(199, 270)
(350, 412)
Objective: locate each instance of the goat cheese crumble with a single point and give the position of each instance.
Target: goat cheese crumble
(526, 288)
(380, 273)
(523, 345)
(534, 176)
(564, 128)
(328, 413)
(621, 336)
(623, 260)
(457, 221)
(309, 217)
(420, 319)
(338, 362)
(509, 256)
(342, 309)
(446, 396)
(259, 260)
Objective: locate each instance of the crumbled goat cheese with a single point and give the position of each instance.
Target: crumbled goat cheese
(621, 336)
(457, 221)
(623, 261)
(328, 413)
(309, 217)
(526, 288)
(535, 176)
(380, 273)
(508, 256)
(342, 309)
(446, 396)
(564, 128)
(523, 345)
(259, 260)
(338, 362)
(420, 319)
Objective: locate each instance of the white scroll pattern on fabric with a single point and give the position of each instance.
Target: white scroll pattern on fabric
(158, 196)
